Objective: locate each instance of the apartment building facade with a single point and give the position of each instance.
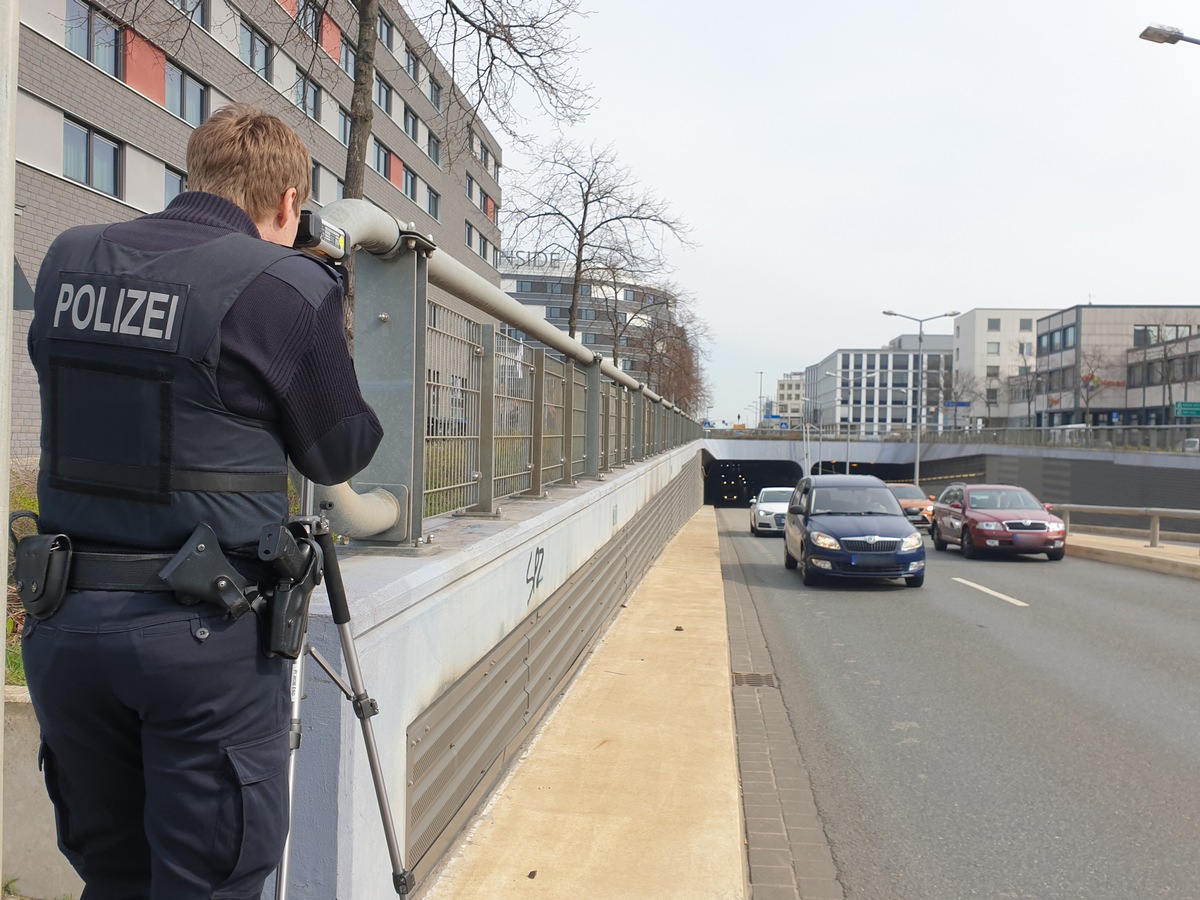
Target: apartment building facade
(618, 318)
(994, 349)
(109, 91)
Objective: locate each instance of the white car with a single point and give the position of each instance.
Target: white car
(769, 510)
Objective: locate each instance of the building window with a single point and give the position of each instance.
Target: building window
(435, 94)
(383, 94)
(993, 324)
(484, 199)
(993, 348)
(308, 97)
(91, 158)
(381, 160)
(629, 295)
(589, 338)
(410, 183)
(254, 50)
(484, 155)
(1025, 348)
(993, 395)
(470, 235)
(434, 148)
(386, 31)
(1026, 325)
(433, 202)
(470, 187)
(585, 290)
(308, 17)
(315, 182)
(526, 287)
(410, 122)
(186, 97)
(196, 10)
(993, 371)
(174, 184)
(97, 39)
(348, 57)
(1068, 337)
(411, 64)
(341, 190)
(343, 126)
(483, 246)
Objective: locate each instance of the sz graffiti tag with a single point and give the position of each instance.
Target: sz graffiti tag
(533, 571)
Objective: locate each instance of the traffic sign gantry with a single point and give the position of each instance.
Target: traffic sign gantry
(1188, 408)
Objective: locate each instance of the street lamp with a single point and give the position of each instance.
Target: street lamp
(849, 406)
(758, 424)
(1165, 34)
(920, 378)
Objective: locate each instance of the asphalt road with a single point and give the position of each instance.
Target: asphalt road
(961, 745)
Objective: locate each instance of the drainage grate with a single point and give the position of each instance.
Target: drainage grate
(753, 679)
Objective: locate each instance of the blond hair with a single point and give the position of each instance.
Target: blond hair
(250, 158)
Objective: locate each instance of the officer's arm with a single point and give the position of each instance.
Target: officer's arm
(331, 431)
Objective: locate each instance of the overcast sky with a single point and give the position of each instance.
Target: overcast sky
(840, 158)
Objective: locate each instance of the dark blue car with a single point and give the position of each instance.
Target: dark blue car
(851, 526)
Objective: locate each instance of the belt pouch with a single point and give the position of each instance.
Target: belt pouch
(41, 571)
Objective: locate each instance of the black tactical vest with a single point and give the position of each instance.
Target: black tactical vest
(137, 447)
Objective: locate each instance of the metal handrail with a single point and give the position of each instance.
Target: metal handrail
(1155, 513)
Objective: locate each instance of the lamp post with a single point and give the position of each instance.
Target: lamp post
(1165, 34)
(918, 396)
(758, 424)
(849, 405)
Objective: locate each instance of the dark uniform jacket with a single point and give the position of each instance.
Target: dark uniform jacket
(182, 360)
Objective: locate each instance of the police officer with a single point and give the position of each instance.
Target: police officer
(182, 358)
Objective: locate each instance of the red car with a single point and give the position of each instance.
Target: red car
(1003, 518)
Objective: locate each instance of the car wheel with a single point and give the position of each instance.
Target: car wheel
(789, 561)
(938, 543)
(1056, 555)
(969, 550)
(915, 580)
(807, 573)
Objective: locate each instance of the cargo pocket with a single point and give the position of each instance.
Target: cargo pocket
(258, 813)
(62, 817)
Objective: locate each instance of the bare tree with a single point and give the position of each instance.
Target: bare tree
(1166, 353)
(676, 346)
(1024, 383)
(965, 387)
(1095, 377)
(591, 208)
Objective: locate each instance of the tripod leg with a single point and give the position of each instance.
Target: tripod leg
(283, 872)
(364, 706)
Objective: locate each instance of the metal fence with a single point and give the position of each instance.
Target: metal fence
(472, 415)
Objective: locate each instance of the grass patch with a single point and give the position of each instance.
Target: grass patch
(22, 494)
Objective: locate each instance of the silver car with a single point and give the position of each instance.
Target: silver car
(769, 509)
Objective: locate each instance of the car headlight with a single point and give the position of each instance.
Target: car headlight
(1055, 526)
(912, 542)
(990, 526)
(824, 541)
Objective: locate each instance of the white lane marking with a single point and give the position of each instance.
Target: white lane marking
(979, 587)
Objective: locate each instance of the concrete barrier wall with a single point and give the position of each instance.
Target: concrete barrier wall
(420, 624)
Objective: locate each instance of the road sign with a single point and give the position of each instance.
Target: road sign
(950, 404)
(1188, 408)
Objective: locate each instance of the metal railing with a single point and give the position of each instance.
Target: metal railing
(472, 416)
(1154, 514)
(1161, 438)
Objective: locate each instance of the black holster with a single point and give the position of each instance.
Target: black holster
(297, 558)
(42, 570)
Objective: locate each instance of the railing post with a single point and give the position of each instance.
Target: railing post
(539, 422)
(639, 424)
(487, 421)
(1154, 523)
(622, 427)
(568, 444)
(606, 401)
(390, 309)
(591, 463)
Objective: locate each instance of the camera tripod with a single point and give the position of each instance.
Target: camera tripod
(315, 537)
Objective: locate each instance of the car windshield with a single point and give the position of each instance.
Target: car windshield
(906, 492)
(1002, 498)
(855, 501)
(775, 495)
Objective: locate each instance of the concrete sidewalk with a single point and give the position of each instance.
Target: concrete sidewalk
(631, 788)
(1170, 558)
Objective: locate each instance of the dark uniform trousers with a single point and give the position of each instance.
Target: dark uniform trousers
(164, 745)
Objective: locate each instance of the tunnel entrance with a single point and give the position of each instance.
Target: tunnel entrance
(735, 482)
